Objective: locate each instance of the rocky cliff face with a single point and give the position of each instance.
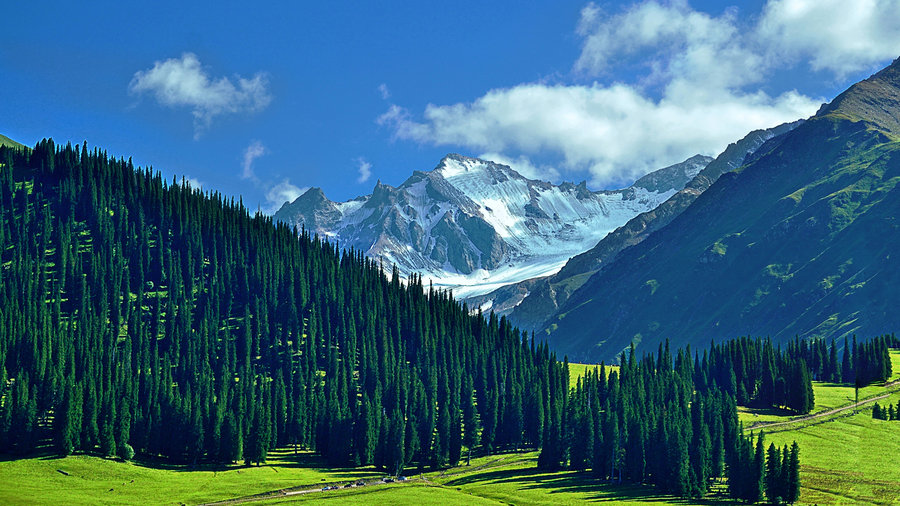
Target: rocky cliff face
(473, 225)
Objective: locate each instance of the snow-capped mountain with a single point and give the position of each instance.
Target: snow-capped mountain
(473, 225)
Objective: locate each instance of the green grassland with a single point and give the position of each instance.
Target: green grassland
(580, 370)
(846, 458)
(499, 479)
(94, 480)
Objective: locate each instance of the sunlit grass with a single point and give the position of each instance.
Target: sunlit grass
(93, 480)
(849, 459)
(580, 370)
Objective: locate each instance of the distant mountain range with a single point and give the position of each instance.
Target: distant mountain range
(472, 225)
(801, 240)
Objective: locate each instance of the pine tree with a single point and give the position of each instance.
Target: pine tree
(847, 364)
(68, 420)
(470, 421)
(793, 479)
(758, 476)
(773, 474)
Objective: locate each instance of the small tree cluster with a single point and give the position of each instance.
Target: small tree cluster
(886, 413)
(868, 361)
(755, 473)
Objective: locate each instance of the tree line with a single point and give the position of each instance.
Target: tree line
(756, 473)
(861, 363)
(889, 413)
(671, 419)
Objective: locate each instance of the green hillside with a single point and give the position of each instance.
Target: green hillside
(142, 318)
(545, 295)
(798, 242)
(6, 141)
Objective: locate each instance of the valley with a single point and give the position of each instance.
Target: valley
(528, 253)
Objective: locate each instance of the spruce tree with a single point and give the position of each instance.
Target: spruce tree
(758, 471)
(773, 474)
(793, 479)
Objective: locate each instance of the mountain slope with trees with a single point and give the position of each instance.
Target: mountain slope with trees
(142, 316)
(798, 242)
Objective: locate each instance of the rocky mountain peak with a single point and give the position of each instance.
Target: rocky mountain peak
(673, 177)
(875, 100)
(471, 224)
(311, 210)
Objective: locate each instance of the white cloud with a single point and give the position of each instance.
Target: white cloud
(833, 35)
(385, 92)
(696, 88)
(253, 151)
(674, 42)
(365, 170)
(614, 132)
(276, 193)
(523, 165)
(194, 183)
(183, 82)
(281, 193)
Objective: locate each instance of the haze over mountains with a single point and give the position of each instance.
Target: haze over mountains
(797, 242)
(472, 225)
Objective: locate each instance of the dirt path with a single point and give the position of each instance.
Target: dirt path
(288, 492)
(765, 425)
(468, 469)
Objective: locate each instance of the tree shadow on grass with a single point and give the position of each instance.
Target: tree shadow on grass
(576, 482)
(282, 459)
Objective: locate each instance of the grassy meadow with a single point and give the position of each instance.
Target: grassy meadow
(94, 480)
(580, 370)
(848, 459)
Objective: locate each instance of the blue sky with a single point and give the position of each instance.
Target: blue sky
(264, 102)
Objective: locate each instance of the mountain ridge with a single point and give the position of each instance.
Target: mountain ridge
(532, 303)
(802, 249)
(472, 225)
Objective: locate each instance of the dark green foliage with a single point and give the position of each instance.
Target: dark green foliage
(142, 315)
(792, 476)
(885, 413)
(757, 485)
(774, 475)
(672, 421)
